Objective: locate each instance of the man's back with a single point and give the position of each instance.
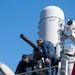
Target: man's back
(49, 46)
(48, 49)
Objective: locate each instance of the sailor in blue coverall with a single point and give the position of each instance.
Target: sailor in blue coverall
(49, 55)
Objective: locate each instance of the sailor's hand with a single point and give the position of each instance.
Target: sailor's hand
(47, 60)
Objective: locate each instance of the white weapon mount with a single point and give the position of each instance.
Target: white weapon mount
(5, 70)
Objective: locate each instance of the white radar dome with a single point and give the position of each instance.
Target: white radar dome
(51, 18)
(52, 11)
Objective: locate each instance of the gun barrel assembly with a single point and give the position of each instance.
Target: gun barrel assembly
(28, 41)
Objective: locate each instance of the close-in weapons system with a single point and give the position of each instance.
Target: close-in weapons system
(52, 28)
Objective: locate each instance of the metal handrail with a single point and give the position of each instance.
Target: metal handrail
(41, 69)
(37, 70)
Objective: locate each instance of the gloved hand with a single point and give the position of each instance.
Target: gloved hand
(47, 60)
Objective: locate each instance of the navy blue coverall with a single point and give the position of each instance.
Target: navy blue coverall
(49, 52)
